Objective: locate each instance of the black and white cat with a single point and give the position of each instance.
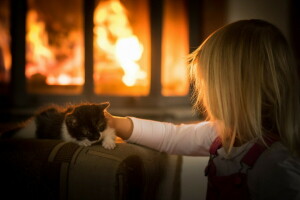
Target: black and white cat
(84, 124)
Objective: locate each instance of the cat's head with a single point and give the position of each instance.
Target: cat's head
(86, 121)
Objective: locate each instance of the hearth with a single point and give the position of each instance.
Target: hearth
(131, 53)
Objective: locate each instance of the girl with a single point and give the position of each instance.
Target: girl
(246, 82)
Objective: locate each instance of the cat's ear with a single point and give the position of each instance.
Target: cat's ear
(104, 105)
(69, 109)
(71, 121)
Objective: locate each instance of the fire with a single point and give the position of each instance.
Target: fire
(118, 51)
(175, 34)
(121, 51)
(128, 51)
(5, 56)
(114, 36)
(37, 41)
(42, 58)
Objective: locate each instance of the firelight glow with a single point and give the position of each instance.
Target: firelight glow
(111, 21)
(122, 53)
(41, 57)
(128, 51)
(37, 42)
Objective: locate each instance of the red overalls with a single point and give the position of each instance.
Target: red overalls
(233, 186)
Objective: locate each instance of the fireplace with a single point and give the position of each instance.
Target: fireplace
(131, 53)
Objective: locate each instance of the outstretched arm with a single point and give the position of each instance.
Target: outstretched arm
(184, 139)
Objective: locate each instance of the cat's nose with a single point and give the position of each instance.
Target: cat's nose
(96, 137)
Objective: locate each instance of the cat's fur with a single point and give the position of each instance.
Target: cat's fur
(84, 124)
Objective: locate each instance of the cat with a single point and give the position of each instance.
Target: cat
(84, 124)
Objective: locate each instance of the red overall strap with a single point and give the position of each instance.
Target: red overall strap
(215, 146)
(255, 151)
(233, 186)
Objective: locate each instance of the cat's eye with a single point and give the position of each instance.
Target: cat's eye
(71, 120)
(101, 126)
(85, 132)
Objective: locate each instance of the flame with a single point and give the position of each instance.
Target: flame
(118, 52)
(128, 51)
(37, 38)
(175, 33)
(5, 56)
(114, 36)
(42, 57)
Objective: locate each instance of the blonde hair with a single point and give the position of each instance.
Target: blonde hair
(246, 80)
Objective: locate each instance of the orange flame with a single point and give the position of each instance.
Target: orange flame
(41, 57)
(5, 56)
(115, 37)
(37, 39)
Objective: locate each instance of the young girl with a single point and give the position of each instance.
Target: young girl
(246, 82)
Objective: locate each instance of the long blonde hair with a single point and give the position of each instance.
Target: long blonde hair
(246, 80)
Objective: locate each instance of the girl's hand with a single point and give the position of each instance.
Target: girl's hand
(122, 125)
(109, 119)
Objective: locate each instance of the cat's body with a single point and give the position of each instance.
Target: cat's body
(83, 124)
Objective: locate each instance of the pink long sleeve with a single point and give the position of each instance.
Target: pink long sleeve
(185, 139)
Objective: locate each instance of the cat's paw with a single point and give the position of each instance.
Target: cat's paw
(109, 144)
(85, 143)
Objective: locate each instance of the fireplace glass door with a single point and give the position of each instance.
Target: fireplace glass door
(175, 48)
(54, 47)
(121, 48)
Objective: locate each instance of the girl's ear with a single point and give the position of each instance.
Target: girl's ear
(71, 121)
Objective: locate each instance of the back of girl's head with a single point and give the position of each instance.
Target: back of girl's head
(246, 80)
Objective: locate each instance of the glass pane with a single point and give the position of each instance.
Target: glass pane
(5, 56)
(54, 46)
(122, 47)
(175, 48)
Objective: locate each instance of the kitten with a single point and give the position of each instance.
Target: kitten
(83, 124)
